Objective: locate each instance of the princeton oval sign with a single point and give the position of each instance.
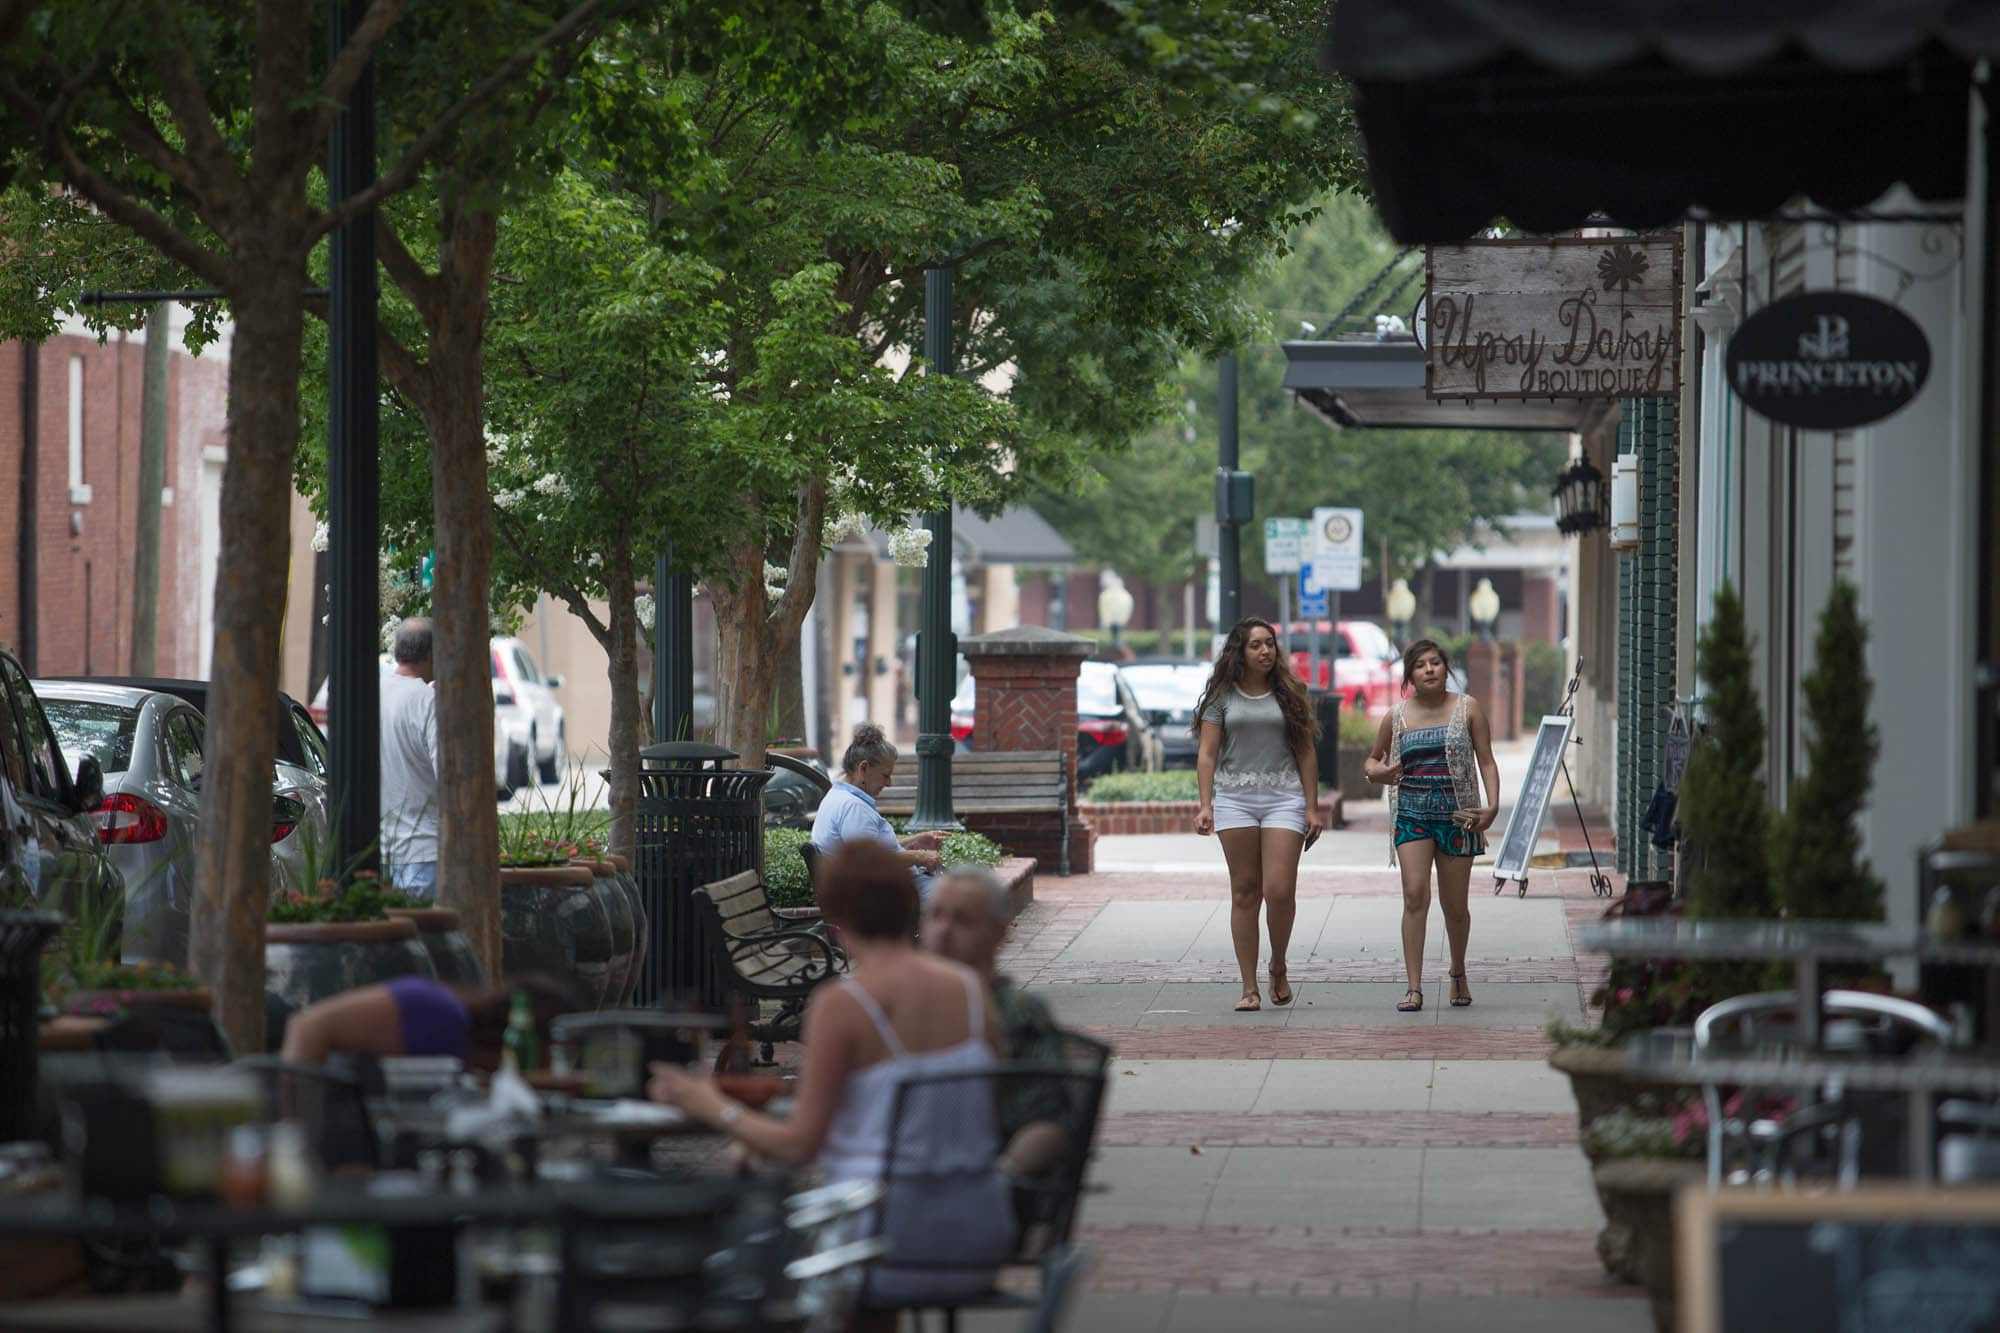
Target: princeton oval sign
(1828, 360)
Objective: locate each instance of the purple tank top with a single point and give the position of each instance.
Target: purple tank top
(433, 1019)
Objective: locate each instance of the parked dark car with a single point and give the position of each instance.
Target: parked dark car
(1167, 690)
(1112, 732)
(792, 796)
(49, 848)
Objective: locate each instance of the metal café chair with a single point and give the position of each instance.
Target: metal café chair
(1861, 1021)
(1969, 1149)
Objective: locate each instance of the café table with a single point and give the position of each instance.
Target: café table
(1919, 1077)
(1807, 944)
(340, 1204)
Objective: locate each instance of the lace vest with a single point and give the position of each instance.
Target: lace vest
(1457, 754)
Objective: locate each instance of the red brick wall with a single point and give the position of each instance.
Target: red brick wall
(1539, 623)
(1027, 701)
(1493, 675)
(85, 549)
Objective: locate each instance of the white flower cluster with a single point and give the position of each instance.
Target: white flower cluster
(775, 577)
(553, 486)
(389, 628)
(643, 604)
(909, 546)
(847, 525)
(509, 499)
(322, 536)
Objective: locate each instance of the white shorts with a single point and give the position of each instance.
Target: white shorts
(1260, 807)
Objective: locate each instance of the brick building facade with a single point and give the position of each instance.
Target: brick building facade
(83, 415)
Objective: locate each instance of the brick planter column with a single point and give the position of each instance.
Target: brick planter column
(1493, 675)
(1024, 698)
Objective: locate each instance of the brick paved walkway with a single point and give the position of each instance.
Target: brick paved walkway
(1353, 1166)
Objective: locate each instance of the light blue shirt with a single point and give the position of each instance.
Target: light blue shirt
(848, 814)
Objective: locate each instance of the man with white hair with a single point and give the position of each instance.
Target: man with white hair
(409, 764)
(966, 919)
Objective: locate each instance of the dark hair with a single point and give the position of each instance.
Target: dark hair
(869, 746)
(1414, 653)
(867, 890)
(1301, 726)
(488, 1010)
(413, 641)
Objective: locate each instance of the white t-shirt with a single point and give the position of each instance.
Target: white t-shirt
(409, 771)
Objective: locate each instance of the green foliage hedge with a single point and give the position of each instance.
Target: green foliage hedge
(789, 885)
(1542, 682)
(1178, 784)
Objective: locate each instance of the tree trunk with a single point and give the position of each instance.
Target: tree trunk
(1426, 599)
(750, 634)
(791, 686)
(152, 479)
(454, 410)
(233, 862)
(621, 647)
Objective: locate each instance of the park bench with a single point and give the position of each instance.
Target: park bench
(760, 957)
(993, 782)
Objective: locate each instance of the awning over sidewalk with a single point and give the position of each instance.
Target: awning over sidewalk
(1548, 112)
(1365, 383)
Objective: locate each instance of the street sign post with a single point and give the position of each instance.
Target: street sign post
(1336, 549)
(1312, 593)
(1285, 541)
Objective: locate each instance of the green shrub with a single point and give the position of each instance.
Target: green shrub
(789, 885)
(1358, 730)
(361, 899)
(785, 869)
(1723, 814)
(1179, 784)
(1542, 666)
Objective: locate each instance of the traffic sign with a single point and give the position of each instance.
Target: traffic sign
(1312, 597)
(1336, 548)
(1284, 544)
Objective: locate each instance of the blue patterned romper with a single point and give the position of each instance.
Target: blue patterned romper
(1426, 798)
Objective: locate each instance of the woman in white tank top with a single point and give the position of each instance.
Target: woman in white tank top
(899, 1015)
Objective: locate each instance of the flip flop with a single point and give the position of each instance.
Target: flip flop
(1249, 1004)
(1278, 979)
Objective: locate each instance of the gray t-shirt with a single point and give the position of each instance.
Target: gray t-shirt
(1255, 752)
(409, 771)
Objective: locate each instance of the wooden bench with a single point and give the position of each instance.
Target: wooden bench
(993, 782)
(761, 957)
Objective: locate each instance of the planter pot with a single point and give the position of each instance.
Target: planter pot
(1637, 1243)
(619, 973)
(642, 924)
(439, 931)
(552, 922)
(308, 962)
(1598, 1081)
(1353, 786)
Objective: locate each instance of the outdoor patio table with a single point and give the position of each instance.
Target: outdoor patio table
(339, 1205)
(1806, 943)
(1671, 1058)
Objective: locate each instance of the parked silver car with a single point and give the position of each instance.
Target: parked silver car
(148, 737)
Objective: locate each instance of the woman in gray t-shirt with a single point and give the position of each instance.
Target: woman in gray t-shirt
(1259, 790)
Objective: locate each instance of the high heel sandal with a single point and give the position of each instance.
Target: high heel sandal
(1404, 1006)
(1460, 1001)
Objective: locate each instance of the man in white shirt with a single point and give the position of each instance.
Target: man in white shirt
(409, 765)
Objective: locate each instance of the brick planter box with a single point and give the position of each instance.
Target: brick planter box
(1112, 818)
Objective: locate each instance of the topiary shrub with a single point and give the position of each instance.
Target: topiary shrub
(1816, 862)
(785, 877)
(1722, 808)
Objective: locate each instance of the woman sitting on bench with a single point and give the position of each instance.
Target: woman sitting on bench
(848, 814)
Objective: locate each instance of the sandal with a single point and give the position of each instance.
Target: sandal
(1281, 988)
(1460, 1001)
(1249, 1004)
(1404, 1006)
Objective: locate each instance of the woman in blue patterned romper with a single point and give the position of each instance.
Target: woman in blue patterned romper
(1425, 753)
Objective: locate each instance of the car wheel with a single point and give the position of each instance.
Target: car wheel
(517, 767)
(550, 769)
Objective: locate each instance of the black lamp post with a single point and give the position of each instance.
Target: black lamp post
(937, 646)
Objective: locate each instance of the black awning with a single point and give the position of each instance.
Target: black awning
(1365, 384)
(1551, 112)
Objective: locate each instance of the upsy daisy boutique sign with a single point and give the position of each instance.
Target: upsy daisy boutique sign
(1553, 318)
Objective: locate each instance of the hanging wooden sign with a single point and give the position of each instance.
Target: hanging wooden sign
(1561, 317)
(1828, 360)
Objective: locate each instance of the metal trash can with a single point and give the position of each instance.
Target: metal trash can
(1327, 747)
(698, 823)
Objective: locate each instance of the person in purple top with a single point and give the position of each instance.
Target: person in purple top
(421, 1016)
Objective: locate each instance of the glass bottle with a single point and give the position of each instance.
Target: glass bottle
(518, 1047)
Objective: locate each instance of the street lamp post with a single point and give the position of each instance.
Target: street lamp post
(1484, 607)
(1114, 607)
(1402, 607)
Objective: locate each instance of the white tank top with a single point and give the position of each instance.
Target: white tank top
(935, 1131)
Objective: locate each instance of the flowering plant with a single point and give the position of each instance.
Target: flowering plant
(909, 547)
(361, 898)
(110, 986)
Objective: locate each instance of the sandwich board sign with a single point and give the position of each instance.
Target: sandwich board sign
(1517, 844)
(1336, 549)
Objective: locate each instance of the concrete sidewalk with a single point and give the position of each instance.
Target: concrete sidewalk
(1334, 1164)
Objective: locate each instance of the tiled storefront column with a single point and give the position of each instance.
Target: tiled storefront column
(1024, 698)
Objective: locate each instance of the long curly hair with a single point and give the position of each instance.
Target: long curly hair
(1301, 727)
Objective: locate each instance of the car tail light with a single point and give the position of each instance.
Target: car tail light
(127, 818)
(1103, 730)
(318, 712)
(961, 727)
(286, 812)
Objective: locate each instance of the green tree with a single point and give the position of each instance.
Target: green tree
(1816, 860)
(1722, 807)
